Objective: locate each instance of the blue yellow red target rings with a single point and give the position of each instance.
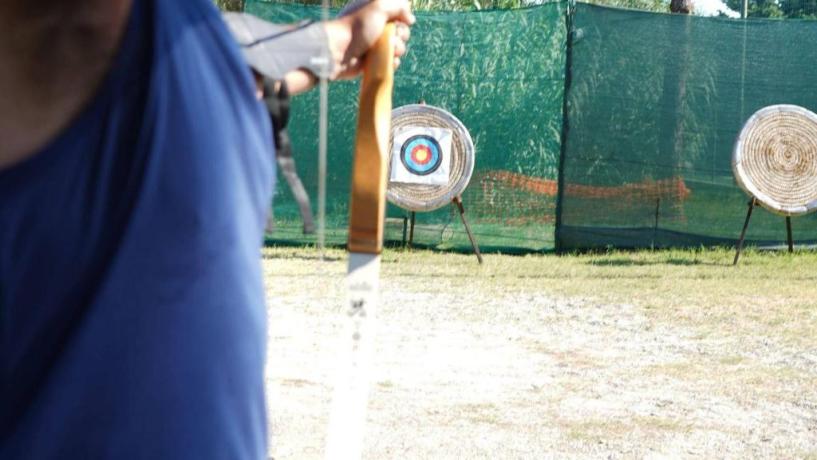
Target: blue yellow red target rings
(421, 155)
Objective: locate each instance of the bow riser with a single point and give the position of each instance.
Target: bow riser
(367, 206)
(367, 210)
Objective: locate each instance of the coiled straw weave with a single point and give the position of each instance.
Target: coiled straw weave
(420, 197)
(775, 159)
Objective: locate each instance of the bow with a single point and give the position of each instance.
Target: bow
(367, 207)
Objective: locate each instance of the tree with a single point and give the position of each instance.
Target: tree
(230, 5)
(758, 8)
(682, 6)
(801, 9)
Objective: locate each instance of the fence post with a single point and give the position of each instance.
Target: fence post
(560, 182)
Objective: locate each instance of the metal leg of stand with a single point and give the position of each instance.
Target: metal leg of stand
(655, 226)
(458, 203)
(743, 232)
(412, 217)
(788, 234)
(405, 229)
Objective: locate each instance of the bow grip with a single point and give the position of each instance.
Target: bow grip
(367, 205)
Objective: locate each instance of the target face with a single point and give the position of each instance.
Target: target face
(421, 155)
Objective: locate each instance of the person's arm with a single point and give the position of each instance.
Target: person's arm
(295, 53)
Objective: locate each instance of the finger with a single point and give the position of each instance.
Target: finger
(350, 72)
(403, 31)
(399, 47)
(396, 62)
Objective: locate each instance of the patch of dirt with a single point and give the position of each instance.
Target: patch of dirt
(462, 373)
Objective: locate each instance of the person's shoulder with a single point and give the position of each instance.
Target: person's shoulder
(180, 14)
(192, 30)
(198, 73)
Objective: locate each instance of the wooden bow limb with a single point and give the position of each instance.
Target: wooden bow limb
(367, 206)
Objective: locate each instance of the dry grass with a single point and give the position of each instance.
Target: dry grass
(670, 353)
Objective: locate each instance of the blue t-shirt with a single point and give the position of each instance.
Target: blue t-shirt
(132, 319)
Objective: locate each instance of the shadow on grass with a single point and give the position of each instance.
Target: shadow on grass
(626, 262)
(465, 250)
(302, 257)
(296, 245)
(398, 245)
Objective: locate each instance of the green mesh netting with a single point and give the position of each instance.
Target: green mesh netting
(502, 74)
(654, 104)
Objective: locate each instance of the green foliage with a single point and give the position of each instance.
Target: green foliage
(658, 6)
(802, 9)
(758, 8)
(478, 5)
(778, 9)
(466, 5)
(431, 5)
(230, 5)
(797, 9)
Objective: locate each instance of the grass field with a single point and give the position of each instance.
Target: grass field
(616, 355)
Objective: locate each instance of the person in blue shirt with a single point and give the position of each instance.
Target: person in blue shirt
(136, 171)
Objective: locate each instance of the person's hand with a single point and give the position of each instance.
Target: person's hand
(351, 36)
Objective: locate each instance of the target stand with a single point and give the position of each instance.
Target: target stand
(775, 163)
(431, 159)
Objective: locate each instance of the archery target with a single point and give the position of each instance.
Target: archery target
(431, 157)
(421, 155)
(775, 159)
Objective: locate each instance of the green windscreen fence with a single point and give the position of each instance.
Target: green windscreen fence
(502, 74)
(648, 105)
(656, 102)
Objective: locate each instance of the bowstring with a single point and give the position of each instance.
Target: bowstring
(323, 129)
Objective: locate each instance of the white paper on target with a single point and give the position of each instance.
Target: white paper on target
(401, 174)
